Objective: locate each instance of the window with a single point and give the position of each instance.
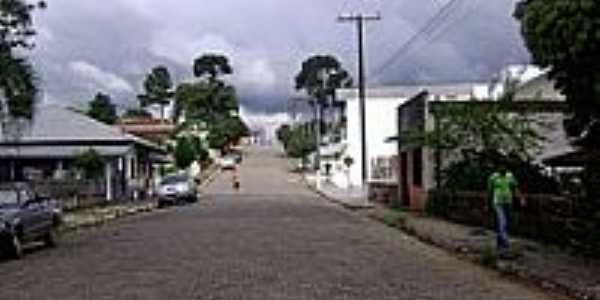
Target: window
(8, 198)
(418, 167)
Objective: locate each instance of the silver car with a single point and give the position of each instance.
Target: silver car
(177, 189)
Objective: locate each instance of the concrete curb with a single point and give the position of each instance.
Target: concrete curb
(101, 216)
(96, 217)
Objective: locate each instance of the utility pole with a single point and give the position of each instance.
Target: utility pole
(360, 20)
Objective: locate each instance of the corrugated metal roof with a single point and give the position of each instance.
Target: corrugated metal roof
(53, 123)
(409, 91)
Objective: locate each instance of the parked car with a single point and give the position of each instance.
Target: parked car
(177, 189)
(228, 162)
(26, 217)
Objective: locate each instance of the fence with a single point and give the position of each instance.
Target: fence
(549, 218)
(73, 194)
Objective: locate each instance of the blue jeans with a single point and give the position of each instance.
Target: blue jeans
(502, 223)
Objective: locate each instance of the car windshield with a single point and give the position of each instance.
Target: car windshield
(8, 198)
(174, 179)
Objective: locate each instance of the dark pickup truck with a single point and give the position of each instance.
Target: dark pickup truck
(26, 217)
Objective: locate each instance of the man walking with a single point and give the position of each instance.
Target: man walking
(502, 186)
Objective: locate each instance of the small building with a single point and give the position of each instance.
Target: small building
(512, 76)
(50, 144)
(420, 166)
(381, 124)
(154, 130)
(539, 87)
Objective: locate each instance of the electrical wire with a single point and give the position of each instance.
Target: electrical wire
(431, 25)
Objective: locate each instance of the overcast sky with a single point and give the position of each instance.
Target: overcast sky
(108, 46)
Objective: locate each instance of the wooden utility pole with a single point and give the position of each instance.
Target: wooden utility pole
(360, 20)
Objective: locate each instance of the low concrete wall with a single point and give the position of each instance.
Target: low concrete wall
(383, 192)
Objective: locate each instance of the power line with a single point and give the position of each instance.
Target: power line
(448, 27)
(432, 24)
(439, 18)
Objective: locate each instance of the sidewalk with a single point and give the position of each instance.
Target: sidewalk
(353, 198)
(99, 215)
(545, 266)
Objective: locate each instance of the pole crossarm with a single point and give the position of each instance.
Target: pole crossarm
(356, 17)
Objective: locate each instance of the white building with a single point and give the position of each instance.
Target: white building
(381, 124)
(512, 75)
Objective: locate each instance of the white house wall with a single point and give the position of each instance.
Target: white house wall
(381, 124)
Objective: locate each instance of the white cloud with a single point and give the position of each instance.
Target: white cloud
(266, 40)
(104, 79)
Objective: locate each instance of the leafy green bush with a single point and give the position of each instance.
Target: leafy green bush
(91, 163)
(438, 202)
(184, 153)
(488, 256)
(472, 173)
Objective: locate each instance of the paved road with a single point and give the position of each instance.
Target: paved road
(271, 240)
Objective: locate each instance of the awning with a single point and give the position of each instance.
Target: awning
(59, 151)
(160, 158)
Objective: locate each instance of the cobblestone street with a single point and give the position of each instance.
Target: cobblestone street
(273, 239)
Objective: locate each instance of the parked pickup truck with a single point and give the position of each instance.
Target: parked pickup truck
(26, 217)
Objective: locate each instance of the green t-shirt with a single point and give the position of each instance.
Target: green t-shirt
(502, 187)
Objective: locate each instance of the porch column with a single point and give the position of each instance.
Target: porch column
(109, 182)
(59, 172)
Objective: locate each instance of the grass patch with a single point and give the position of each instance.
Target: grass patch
(390, 219)
(488, 256)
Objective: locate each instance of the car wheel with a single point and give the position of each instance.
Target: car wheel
(16, 247)
(50, 239)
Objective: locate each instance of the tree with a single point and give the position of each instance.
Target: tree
(192, 100)
(157, 89)
(283, 134)
(319, 77)
(298, 141)
(137, 113)
(91, 163)
(209, 98)
(184, 153)
(478, 136)
(301, 142)
(564, 36)
(102, 109)
(492, 128)
(310, 78)
(226, 131)
(18, 85)
(200, 152)
(212, 66)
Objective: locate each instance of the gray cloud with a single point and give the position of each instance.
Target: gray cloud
(119, 41)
